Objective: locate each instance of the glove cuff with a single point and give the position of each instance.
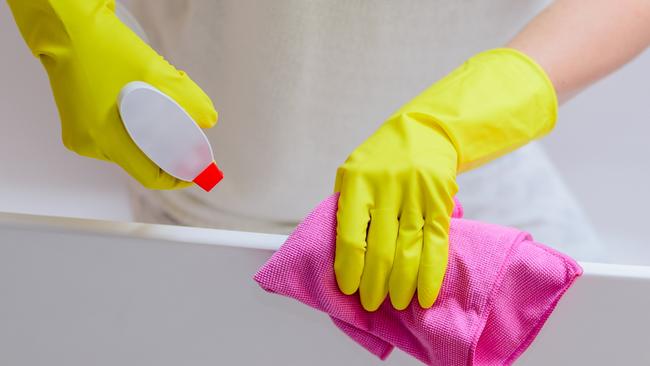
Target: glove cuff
(48, 25)
(496, 102)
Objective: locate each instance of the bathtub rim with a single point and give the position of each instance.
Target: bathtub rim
(228, 238)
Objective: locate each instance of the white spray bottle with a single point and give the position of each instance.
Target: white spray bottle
(166, 133)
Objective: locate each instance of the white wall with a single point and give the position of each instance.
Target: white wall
(601, 145)
(37, 174)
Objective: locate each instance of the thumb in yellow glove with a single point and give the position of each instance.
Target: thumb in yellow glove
(396, 189)
(89, 55)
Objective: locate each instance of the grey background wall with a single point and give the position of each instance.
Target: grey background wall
(37, 174)
(600, 146)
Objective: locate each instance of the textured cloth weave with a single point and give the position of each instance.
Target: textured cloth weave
(499, 289)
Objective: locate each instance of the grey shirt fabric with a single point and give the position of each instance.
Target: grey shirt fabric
(299, 84)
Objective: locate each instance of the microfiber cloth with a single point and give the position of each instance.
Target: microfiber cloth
(499, 289)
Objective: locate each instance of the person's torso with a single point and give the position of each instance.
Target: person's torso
(299, 84)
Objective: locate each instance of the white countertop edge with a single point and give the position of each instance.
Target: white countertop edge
(206, 236)
(183, 234)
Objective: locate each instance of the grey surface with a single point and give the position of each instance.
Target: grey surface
(88, 297)
(37, 173)
(99, 300)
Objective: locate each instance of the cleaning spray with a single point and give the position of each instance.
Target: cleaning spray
(166, 133)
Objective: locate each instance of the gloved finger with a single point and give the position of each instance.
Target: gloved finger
(179, 86)
(433, 263)
(352, 223)
(404, 276)
(380, 253)
(146, 172)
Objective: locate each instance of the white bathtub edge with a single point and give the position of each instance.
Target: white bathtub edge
(183, 234)
(207, 236)
(615, 270)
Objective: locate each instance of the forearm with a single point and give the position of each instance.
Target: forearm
(577, 42)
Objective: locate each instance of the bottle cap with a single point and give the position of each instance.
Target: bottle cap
(209, 177)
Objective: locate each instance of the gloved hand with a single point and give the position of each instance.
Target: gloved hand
(397, 188)
(89, 55)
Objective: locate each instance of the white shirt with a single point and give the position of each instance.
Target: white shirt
(299, 84)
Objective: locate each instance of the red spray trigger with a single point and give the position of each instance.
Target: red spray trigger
(209, 177)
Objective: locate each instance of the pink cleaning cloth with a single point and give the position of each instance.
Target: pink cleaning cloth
(499, 289)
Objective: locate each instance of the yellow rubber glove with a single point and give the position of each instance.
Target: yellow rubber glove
(397, 188)
(89, 55)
